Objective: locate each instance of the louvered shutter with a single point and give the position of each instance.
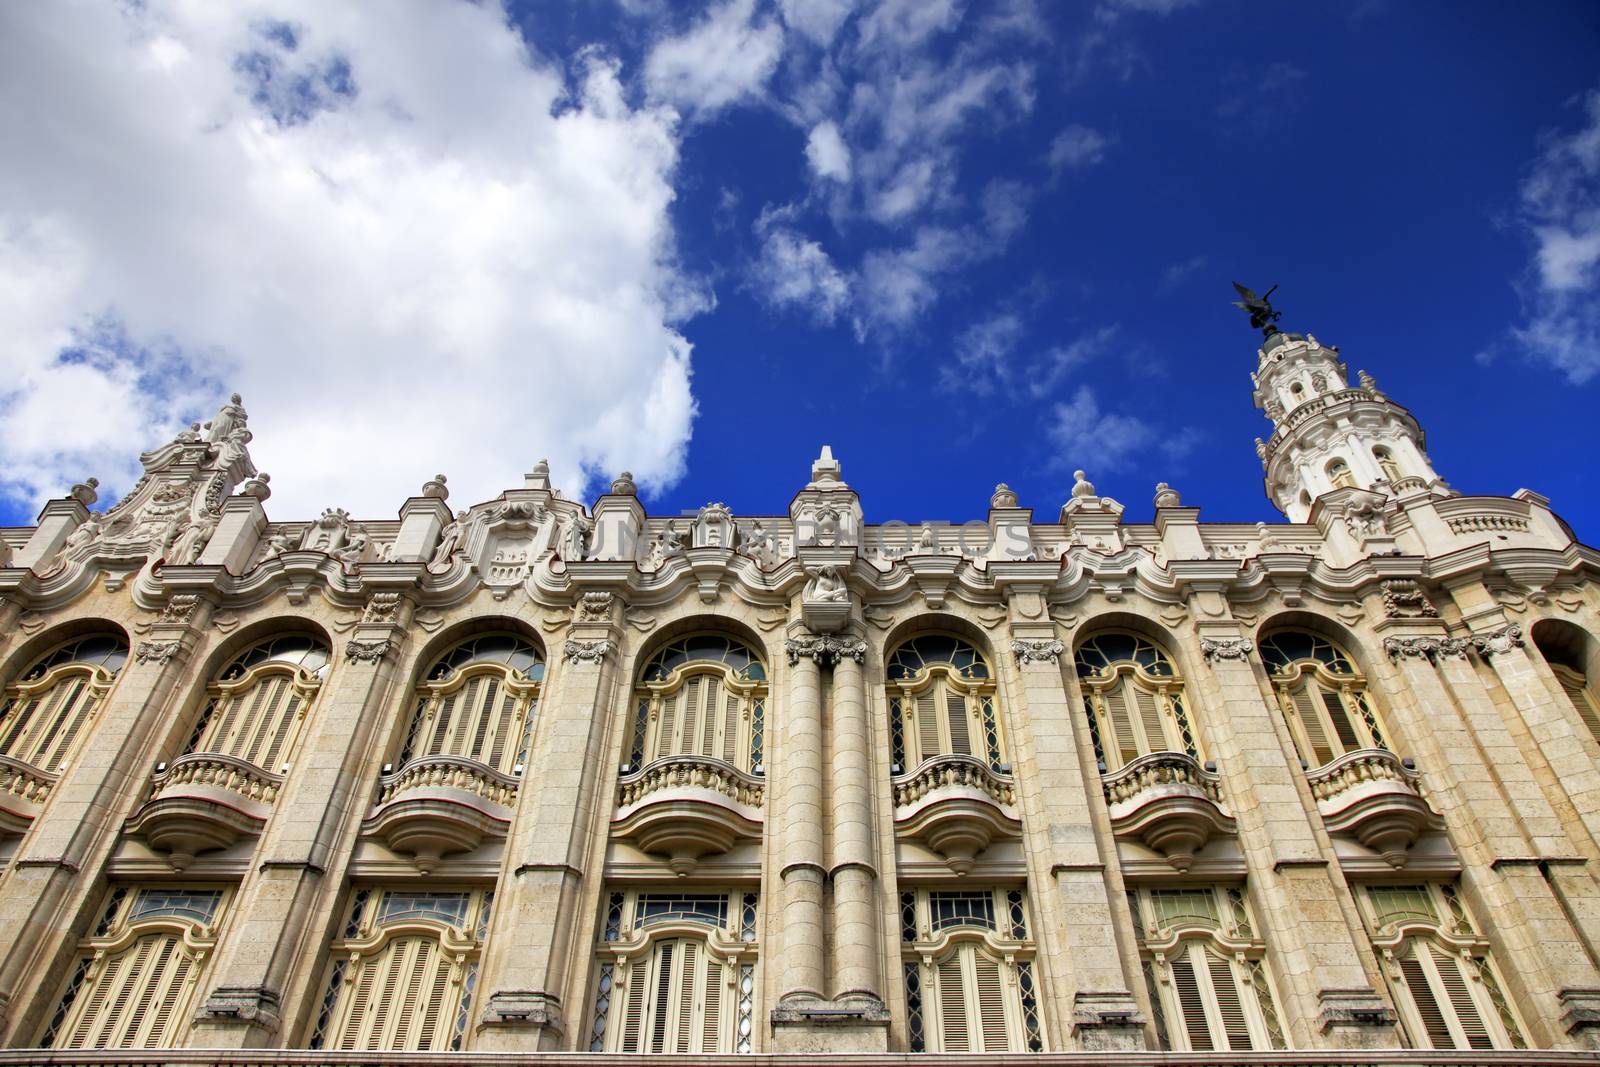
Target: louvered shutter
(927, 727)
(504, 727)
(1578, 693)
(1121, 724)
(633, 1009)
(960, 733)
(1342, 724)
(712, 716)
(1150, 717)
(20, 717)
(441, 722)
(56, 740)
(1191, 1005)
(953, 1035)
(711, 1024)
(690, 712)
(1426, 1004)
(138, 998)
(661, 1010)
(482, 718)
(730, 728)
(1225, 990)
(667, 724)
(403, 999)
(991, 1004)
(1316, 736)
(1466, 1011)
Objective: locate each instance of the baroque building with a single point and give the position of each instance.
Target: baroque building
(530, 776)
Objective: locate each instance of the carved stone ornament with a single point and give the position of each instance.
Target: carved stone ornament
(1497, 641)
(826, 650)
(1003, 497)
(1414, 647)
(587, 651)
(1037, 650)
(244, 1003)
(156, 651)
(1236, 648)
(381, 607)
(368, 651)
(1404, 599)
(595, 606)
(180, 608)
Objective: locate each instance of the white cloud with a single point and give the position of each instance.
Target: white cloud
(1560, 210)
(818, 20)
(1076, 147)
(1098, 440)
(1177, 273)
(983, 354)
(827, 153)
(796, 273)
(725, 59)
(409, 243)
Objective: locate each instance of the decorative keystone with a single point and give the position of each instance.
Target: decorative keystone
(1037, 650)
(156, 651)
(368, 651)
(588, 651)
(1235, 648)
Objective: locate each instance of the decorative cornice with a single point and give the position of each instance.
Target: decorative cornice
(826, 649)
(368, 651)
(1037, 650)
(156, 651)
(587, 651)
(1494, 642)
(1215, 648)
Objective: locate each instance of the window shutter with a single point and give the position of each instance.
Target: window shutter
(393, 966)
(480, 725)
(1341, 721)
(171, 996)
(434, 1011)
(1426, 1004)
(1226, 991)
(94, 1008)
(19, 725)
(960, 735)
(502, 732)
(148, 981)
(927, 726)
(416, 973)
(358, 1006)
(708, 732)
(441, 725)
(1150, 716)
(991, 1005)
(1321, 751)
(952, 1007)
(691, 718)
(667, 725)
(56, 739)
(730, 728)
(1121, 724)
(711, 1029)
(633, 1011)
(663, 1004)
(253, 731)
(1466, 1009)
(1190, 1003)
(1578, 693)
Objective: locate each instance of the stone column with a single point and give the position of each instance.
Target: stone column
(857, 946)
(56, 873)
(799, 815)
(1314, 943)
(286, 905)
(540, 898)
(1083, 984)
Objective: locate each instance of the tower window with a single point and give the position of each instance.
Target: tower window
(1339, 474)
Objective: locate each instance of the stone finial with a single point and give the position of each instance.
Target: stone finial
(434, 488)
(257, 487)
(1003, 497)
(1261, 449)
(85, 491)
(623, 485)
(1367, 382)
(1082, 488)
(825, 470)
(1167, 497)
(539, 477)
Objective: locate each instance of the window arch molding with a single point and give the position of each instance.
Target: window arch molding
(27, 656)
(944, 699)
(1135, 693)
(699, 692)
(1316, 671)
(56, 686)
(1572, 655)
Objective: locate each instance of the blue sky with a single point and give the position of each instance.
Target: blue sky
(960, 243)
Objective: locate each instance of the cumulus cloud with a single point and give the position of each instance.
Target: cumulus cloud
(798, 274)
(1085, 433)
(411, 244)
(1560, 211)
(722, 60)
(1076, 147)
(827, 153)
(990, 356)
(817, 20)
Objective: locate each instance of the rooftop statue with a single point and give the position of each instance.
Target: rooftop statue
(1259, 308)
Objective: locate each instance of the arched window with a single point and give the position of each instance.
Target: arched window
(1438, 968)
(404, 971)
(135, 980)
(46, 713)
(1322, 696)
(257, 705)
(680, 969)
(968, 959)
(1339, 474)
(1387, 463)
(1134, 700)
(1568, 652)
(1205, 970)
(704, 696)
(942, 702)
(478, 701)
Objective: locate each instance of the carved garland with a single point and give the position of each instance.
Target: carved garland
(1430, 648)
(1234, 648)
(587, 651)
(156, 651)
(382, 607)
(1037, 650)
(368, 651)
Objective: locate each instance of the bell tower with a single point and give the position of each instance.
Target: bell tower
(1327, 435)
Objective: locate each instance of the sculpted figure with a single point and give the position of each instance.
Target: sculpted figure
(450, 542)
(233, 447)
(665, 547)
(228, 419)
(189, 436)
(575, 538)
(86, 533)
(188, 545)
(279, 543)
(354, 548)
(826, 586)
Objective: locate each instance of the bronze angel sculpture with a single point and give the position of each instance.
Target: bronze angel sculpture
(1259, 308)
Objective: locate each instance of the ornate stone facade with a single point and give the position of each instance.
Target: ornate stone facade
(586, 779)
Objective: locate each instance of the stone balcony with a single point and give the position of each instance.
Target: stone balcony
(1373, 796)
(437, 805)
(957, 805)
(688, 807)
(23, 790)
(1168, 801)
(204, 801)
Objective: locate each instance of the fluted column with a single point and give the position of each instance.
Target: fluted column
(800, 816)
(857, 960)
